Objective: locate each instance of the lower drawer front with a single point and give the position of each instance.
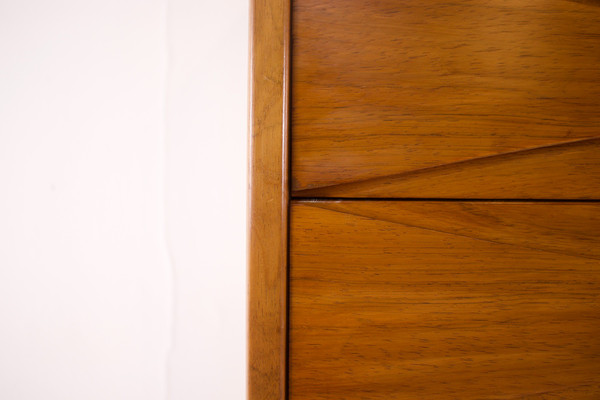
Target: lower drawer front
(444, 300)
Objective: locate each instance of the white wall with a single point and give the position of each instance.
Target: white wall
(122, 203)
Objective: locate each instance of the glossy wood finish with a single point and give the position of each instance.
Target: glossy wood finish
(471, 99)
(444, 300)
(569, 170)
(268, 200)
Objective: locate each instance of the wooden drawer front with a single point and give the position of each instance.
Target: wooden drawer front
(454, 300)
(438, 99)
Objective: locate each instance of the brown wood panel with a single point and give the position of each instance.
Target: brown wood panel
(475, 98)
(444, 300)
(268, 200)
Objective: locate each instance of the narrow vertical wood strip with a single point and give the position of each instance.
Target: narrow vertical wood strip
(268, 200)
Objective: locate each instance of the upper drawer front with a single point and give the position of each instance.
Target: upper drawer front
(466, 99)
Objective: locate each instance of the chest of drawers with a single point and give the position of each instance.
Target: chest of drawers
(423, 212)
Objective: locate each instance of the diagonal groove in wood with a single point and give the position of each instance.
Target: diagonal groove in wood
(386, 179)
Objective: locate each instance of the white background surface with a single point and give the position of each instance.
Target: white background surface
(122, 204)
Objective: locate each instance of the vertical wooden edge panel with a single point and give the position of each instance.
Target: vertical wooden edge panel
(268, 199)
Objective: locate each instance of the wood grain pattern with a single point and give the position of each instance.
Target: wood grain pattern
(566, 171)
(473, 99)
(444, 300)
(268, 200)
